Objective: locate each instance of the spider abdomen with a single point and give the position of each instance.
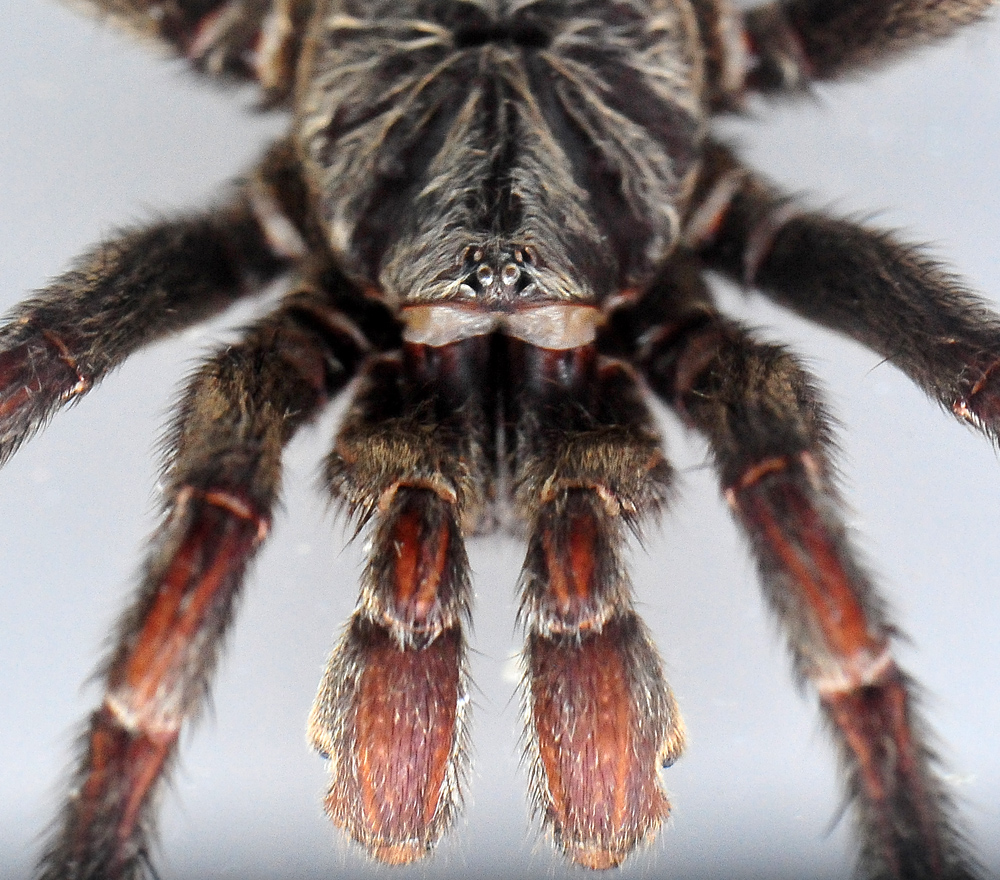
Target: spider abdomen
(565, 131)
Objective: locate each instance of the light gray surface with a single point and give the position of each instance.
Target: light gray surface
(95, 132)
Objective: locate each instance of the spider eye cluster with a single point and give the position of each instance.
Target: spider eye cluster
(501, 275)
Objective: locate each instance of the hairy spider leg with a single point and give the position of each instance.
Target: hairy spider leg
(587, 467)
(414, 456)
(222, 479)
(864, 283)
(255, 40)
(135, 289)
(793, 42)
(769, 437)
(787, 45)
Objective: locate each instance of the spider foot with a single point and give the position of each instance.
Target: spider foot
(390, 712)
(36, 376)
(602, 723)
(980, 407)
(601, 720)
(388, 719)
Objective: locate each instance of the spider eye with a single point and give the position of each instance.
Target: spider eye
(510, 274)
(484, 275)
(471, 254)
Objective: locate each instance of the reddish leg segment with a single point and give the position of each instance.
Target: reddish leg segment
(150, 687)
(239, 412)
(768, 435)
(601, 719)
(391, 711)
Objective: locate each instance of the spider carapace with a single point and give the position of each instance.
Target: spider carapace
(497, 216)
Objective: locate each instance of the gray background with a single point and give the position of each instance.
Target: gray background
(96, 132)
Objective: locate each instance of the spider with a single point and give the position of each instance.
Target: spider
(619, 331)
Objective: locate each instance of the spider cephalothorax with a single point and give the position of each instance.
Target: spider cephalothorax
(497, 217)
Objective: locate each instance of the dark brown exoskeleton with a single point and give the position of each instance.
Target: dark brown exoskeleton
(497, 216)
